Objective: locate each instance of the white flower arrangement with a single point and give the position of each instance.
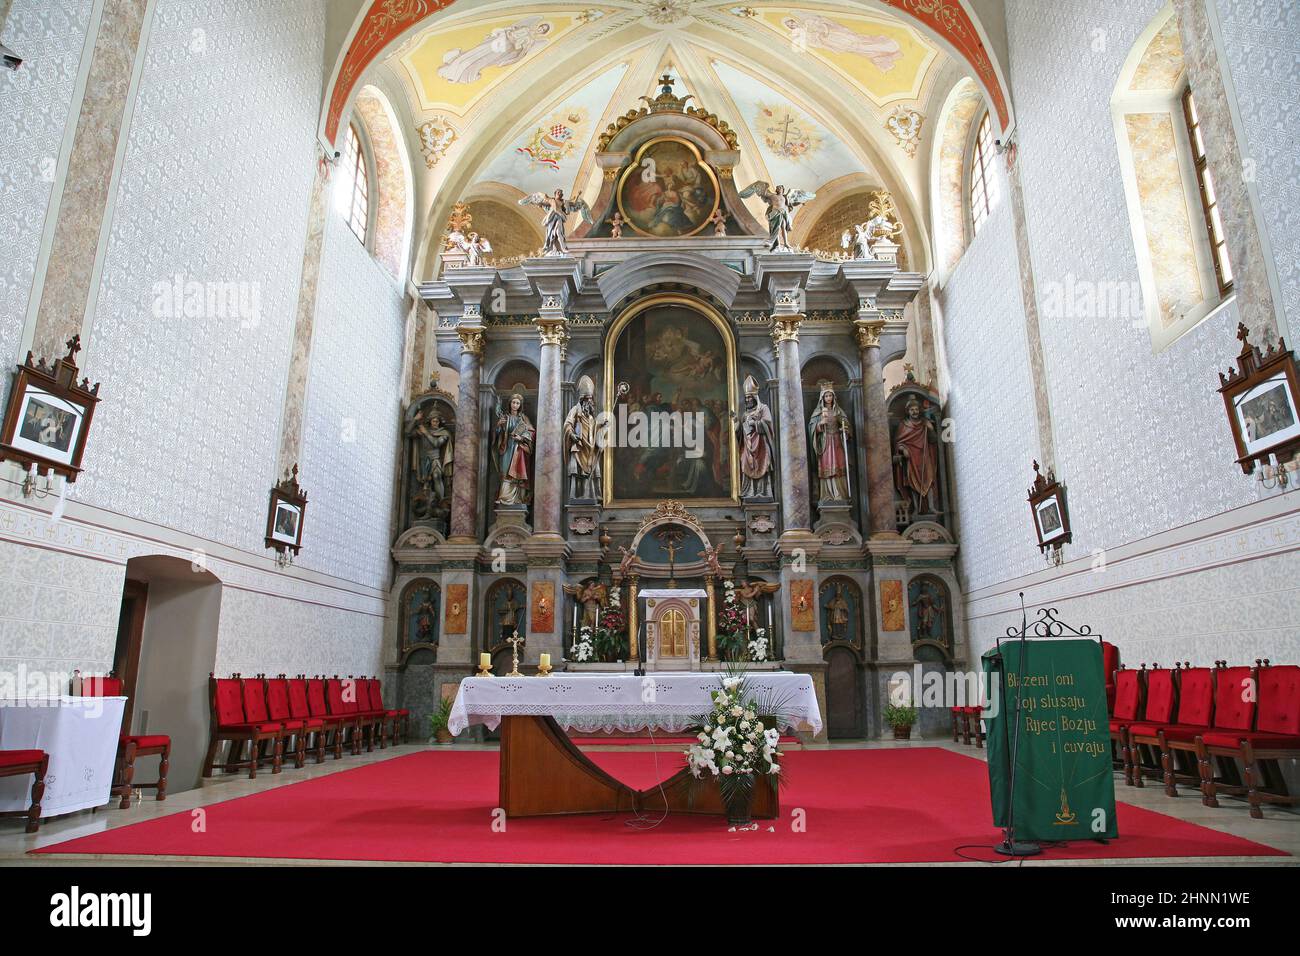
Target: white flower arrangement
(734, 741)
(758, 646)
(582, 649)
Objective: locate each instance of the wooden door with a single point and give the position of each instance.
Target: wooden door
(844, 704)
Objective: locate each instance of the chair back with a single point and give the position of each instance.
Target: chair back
(334, 696)
(376, 694)
(298, 706)
(227, 701)
(255, 700)
(277, 698)
(1234, 698)
(101, 686)
(1196, 696)
(1279, 699)
(1109, 661)
(316, 697)
(1128, 695)
(1160, 696)
(351, 689)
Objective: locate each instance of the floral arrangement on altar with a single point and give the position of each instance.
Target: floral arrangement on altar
(731, 625)
(582, 649)
(611, 625)
(737, 745)
(758, 646)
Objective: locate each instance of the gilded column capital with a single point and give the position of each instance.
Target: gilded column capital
(785, 328)
(471, 341)
(868, 333)
(552, 330)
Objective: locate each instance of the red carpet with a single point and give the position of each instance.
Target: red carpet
(861, 806)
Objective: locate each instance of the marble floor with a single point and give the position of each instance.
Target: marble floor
(1280, 827)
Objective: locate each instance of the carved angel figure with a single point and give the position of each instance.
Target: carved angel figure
(748, 593)
(558, 209)
(781, 204)
(474, 246)
(866, 234)
(591, 596)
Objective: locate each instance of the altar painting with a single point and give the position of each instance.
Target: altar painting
(668, 191)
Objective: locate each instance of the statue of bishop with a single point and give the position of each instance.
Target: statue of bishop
(757, 445)
(580, 445)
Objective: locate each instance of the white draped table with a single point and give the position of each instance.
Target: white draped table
(662, 700)
(80, 734)
(543, 773)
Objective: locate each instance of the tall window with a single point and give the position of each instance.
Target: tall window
(983, 184)
(1209, 199)
(355, 187)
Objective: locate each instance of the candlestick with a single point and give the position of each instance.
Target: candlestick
(485, 665)
(544, 666)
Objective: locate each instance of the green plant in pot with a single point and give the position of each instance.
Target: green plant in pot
(902, 719)
(438, 721)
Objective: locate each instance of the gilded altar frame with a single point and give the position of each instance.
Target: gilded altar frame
(719, 321)
(634, 168)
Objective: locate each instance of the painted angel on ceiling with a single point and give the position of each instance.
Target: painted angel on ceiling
(500, 48)
(781, 204)
(473, 246)
(558, 209)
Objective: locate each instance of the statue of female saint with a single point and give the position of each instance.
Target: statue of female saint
(828, 428)
(512, 440)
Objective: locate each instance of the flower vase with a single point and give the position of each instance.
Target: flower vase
(739, 804)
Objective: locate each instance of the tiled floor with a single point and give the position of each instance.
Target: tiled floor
(1280, 827)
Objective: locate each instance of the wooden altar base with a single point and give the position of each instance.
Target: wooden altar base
(544, 774)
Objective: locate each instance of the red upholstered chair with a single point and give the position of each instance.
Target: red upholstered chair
(958, 721)
(300, 709)
(1161, 699)
(1109, 665)
(334, 724)
(373, 721)
(253, 690)
(344, 710)
(1276, 737)
(972, 725)
(277, 708)
(1128, 705)
(397, 718)
(17, 763)
(228, 721)
(1176, 739)
(130, 747)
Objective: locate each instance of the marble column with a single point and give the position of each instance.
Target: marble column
(548, 480)
(880, 478)
(794, 446)
(464, 490)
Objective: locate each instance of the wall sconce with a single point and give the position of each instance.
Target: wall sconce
(283, 559)
(1279, 474)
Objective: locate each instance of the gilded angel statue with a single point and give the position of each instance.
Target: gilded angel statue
(474, 246)
(591, 596)
(781, 204)
(558, 209)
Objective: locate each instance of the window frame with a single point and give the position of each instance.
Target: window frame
(358, 169)
(1208, 195)
(980, 175)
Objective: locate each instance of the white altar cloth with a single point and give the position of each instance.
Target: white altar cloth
(667, 701)
(79, 733)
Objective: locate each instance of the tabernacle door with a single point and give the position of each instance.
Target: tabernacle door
(673, 628)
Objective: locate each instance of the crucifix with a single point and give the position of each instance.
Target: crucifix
(514, 643)
(669, 539)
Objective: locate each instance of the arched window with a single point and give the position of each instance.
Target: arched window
(1209, 200)
(983, 184)
(354, 190)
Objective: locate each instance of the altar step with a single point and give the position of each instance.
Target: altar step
(645, 741)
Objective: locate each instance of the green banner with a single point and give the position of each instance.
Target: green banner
(1064, 785)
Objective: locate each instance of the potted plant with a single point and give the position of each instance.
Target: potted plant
(438, 721)
(901, 719)
(737, 745)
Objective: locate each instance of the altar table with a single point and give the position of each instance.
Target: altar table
(80, 734)
(543, 773)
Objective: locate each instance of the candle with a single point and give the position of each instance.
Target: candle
(769, 619)
(575, 621)
(485, 661)
(545, 660)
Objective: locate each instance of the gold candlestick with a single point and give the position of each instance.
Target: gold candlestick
(514, 643)
(485, 665)
(544, 666)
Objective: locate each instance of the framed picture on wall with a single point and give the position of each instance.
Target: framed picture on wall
(286, 514)
(1262, 399)
(48, 417)
(1051, 514)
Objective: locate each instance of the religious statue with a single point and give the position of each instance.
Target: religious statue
(864, 235)
(509, 615)
(928, 608)
(748, 594)
(558, 209)
(757, 444)
(711, 565)
(580, 447)
(719, 220)
(592, 597)
(616, 226)
(828, 428)
(781, 204)
(837, 615)
(916, 460)
(432, 447)
(513, 439)
(626, 565)
(425, 618)
(473, 246)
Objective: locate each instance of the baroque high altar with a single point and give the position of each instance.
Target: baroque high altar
(670, 437)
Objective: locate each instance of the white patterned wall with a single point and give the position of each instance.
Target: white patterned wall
(214, 188)
(353, 421)
(35, 110)
(995, 437)
(1196, 568)
(1262, 41)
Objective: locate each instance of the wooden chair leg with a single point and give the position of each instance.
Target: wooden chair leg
(210, 759)
(320, 745)
(1253, 773)
(128, 773)
(1135, 757)
(164, 764)
(1167, 765)
(1206, 770)
(253, 750)
(38, 793)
